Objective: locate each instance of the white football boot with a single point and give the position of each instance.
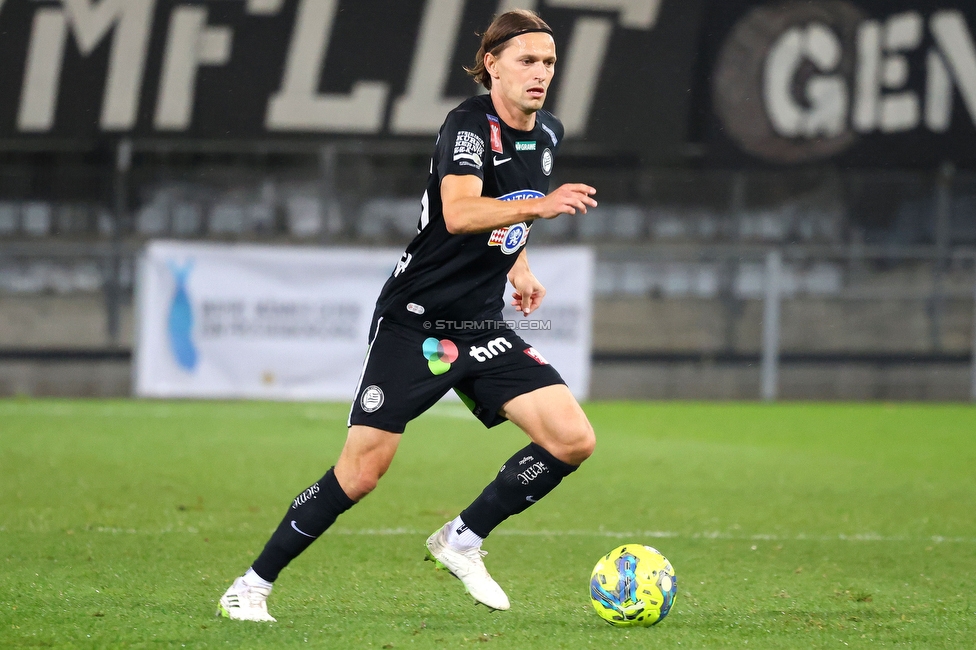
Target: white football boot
(468, 567)
(244, 602)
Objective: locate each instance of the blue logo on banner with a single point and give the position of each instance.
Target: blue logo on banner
(180, 323)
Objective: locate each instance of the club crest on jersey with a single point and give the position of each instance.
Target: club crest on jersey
(547, 162)
(496, 134)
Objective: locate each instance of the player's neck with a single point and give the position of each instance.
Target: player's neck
(511, 115)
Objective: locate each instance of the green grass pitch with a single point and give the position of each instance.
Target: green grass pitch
(789, 526)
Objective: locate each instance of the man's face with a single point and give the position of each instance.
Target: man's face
(523, 70)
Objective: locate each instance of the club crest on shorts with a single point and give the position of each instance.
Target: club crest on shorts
(372, 398)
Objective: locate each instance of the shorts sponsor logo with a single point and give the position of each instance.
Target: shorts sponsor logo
(414, 308)
(547, 162)
(496, 134)
(469, 149)
(372, 399)
(440, 355)
(532, 352)
(526, 459)
(525, 146)
(494, 348)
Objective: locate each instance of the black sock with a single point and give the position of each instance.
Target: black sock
(310, 515)
(525, 478)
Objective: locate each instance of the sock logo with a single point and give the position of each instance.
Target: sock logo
(531, 499)
(534, 471)
(461, 529)
(440, 355)
(305, 496)
(299, 530)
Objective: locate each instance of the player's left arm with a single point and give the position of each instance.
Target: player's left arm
(529, 292)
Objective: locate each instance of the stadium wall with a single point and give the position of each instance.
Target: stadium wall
(644, 348)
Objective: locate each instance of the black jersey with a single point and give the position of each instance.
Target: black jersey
(457, 278)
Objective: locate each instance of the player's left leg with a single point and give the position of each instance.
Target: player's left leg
(562, 439)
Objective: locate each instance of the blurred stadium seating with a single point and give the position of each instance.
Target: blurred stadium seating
(878, 233)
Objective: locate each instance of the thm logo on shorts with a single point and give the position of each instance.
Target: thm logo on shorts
(494, 348)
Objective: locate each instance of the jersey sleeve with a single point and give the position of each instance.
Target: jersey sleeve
(462, 143)
(553, 128)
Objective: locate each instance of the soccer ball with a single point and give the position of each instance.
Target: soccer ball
(633, 585)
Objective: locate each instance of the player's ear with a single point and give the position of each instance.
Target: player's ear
(491, 65)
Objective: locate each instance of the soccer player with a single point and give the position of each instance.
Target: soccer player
(437, 324)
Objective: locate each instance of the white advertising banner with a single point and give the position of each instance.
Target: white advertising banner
(290, 323)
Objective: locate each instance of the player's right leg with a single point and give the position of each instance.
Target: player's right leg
(365, 457)
(397, 384)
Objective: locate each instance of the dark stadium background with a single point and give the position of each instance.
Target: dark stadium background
(867, 226)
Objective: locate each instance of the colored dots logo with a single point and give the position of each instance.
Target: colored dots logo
(440, 355)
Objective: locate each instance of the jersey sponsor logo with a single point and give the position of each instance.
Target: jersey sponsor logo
(547, 162)
(503, 236)
(469, 149)
(519, 195)
(510, 238)
(532, 352)
(372, 398)
(525, 146)
(494, 348)
(440, 355)
(496, 134)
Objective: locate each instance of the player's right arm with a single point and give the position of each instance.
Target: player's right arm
(467, 212)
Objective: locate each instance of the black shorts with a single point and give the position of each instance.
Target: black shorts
(407, 371)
